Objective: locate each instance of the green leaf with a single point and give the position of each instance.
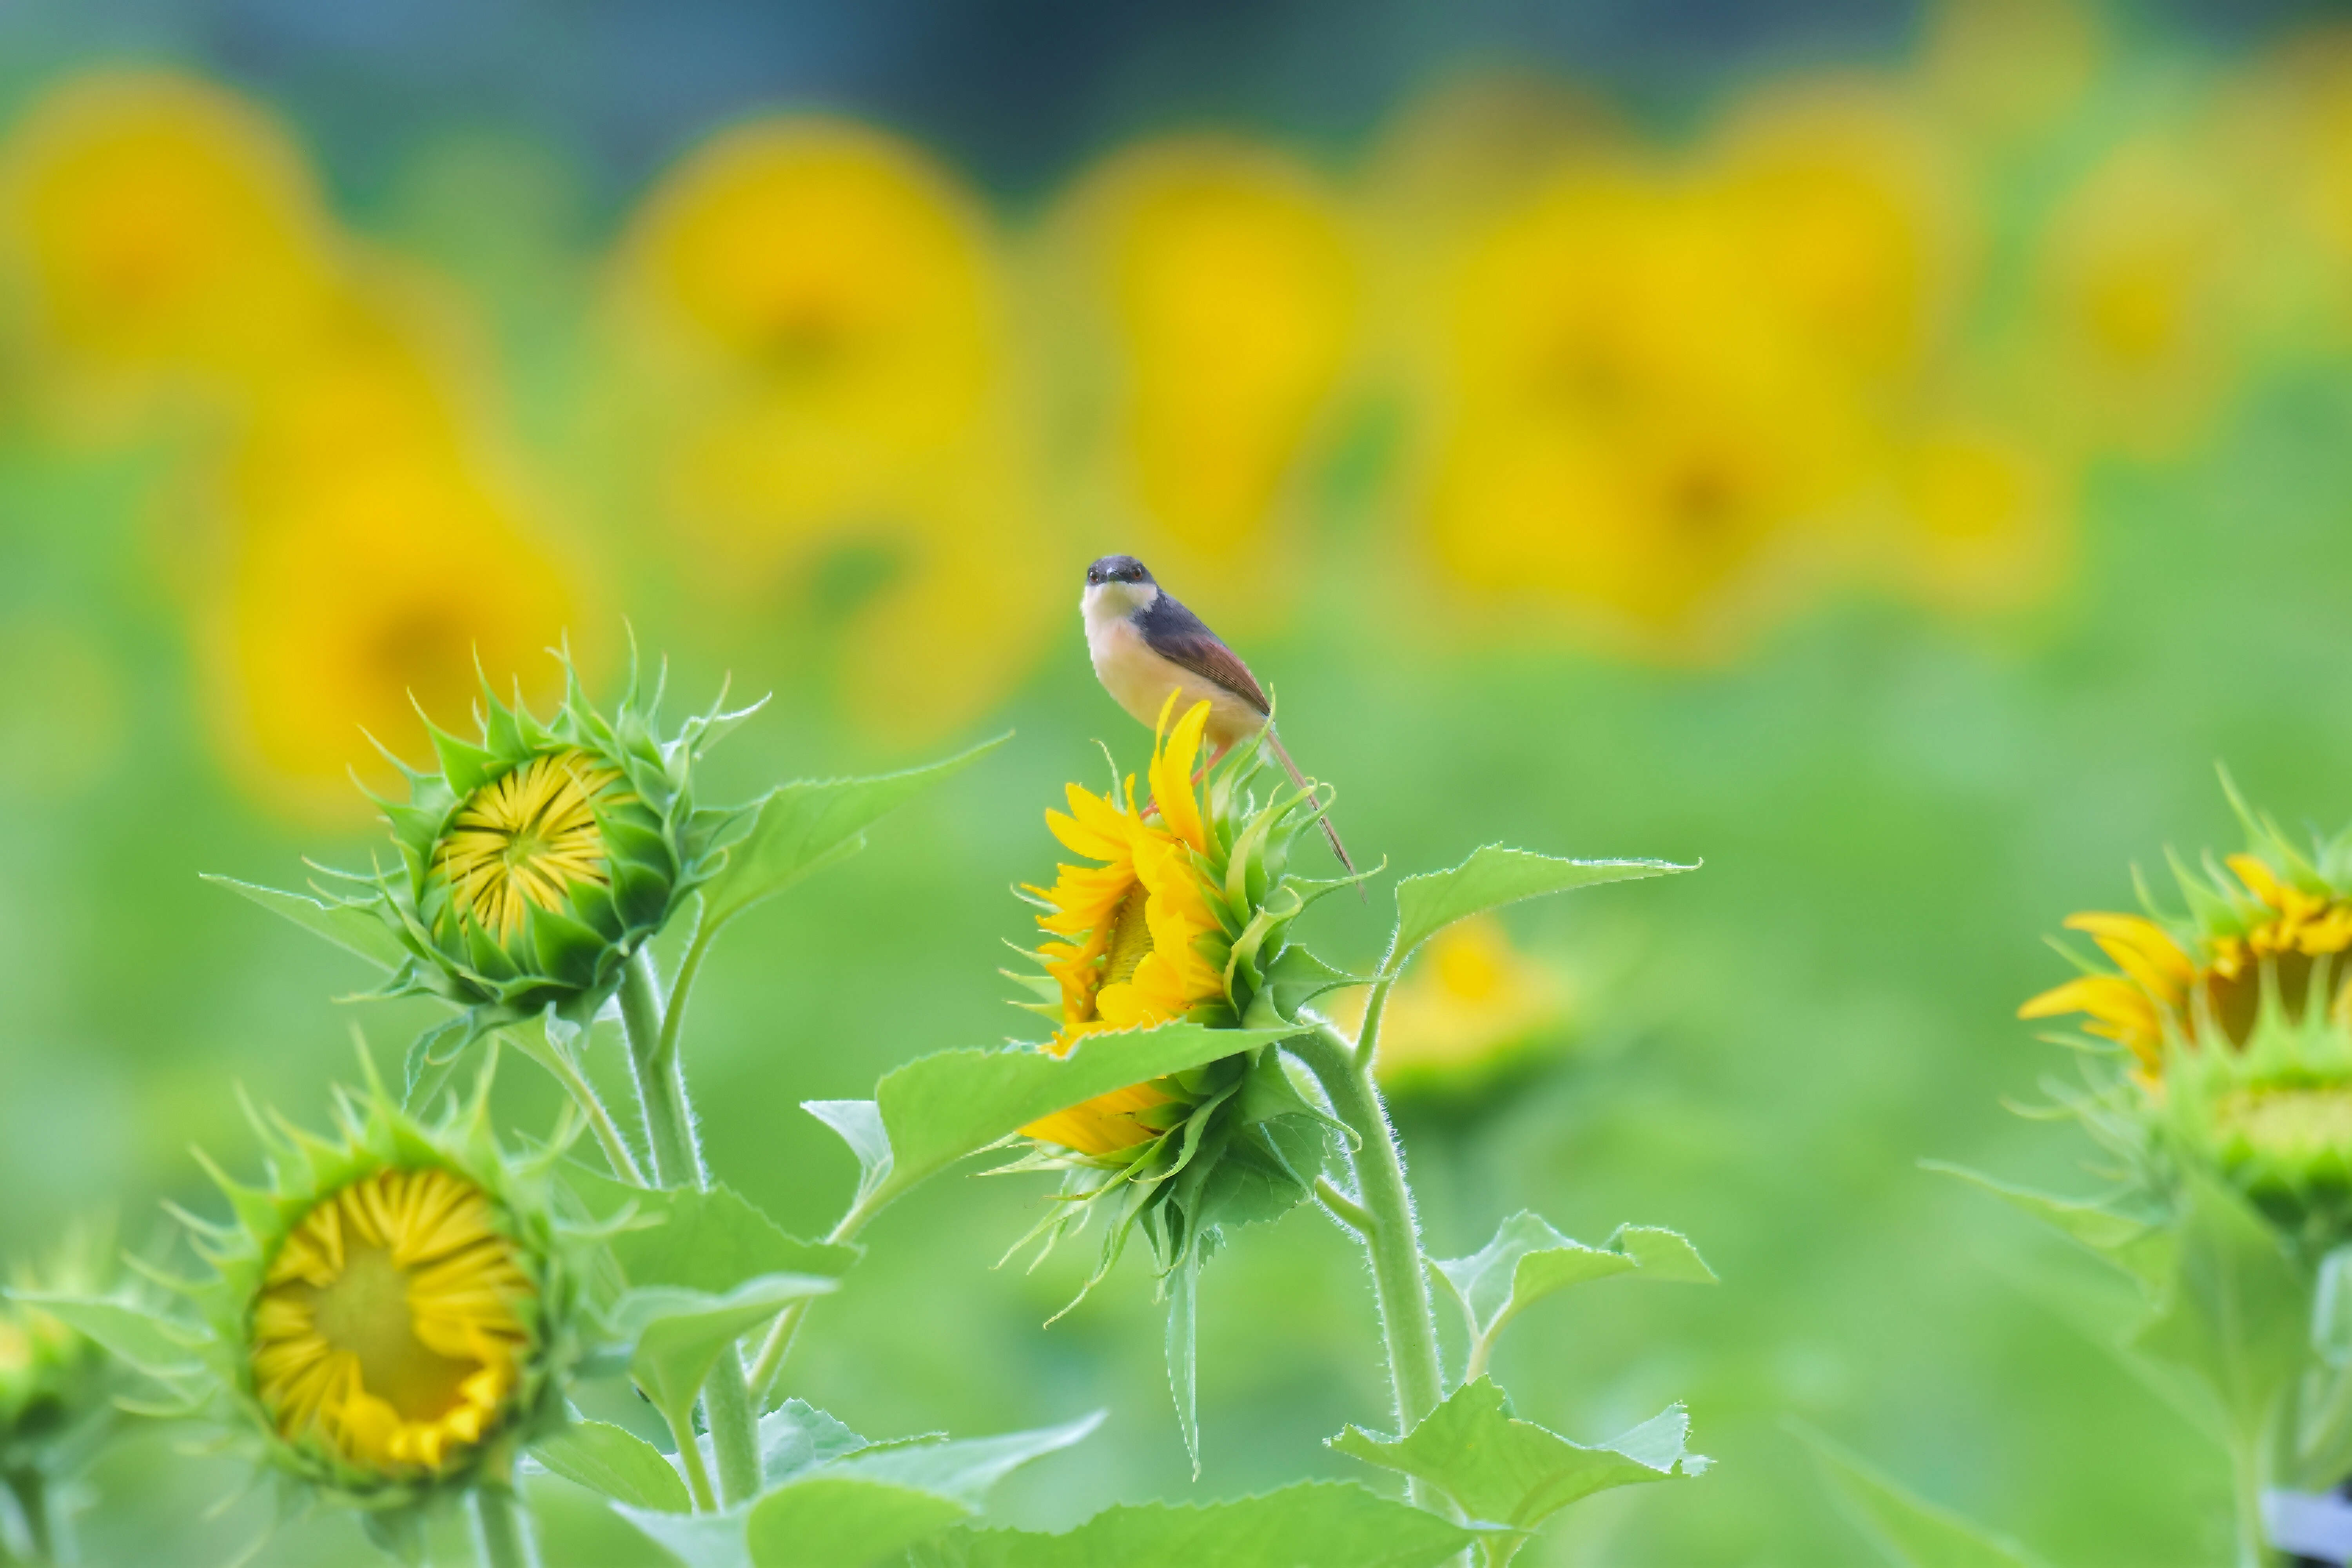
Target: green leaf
(697, 1539)
(938, 1108)
(353, 930)
(1314, 1524)
(1491, 878)
(873, 1505)
(798, 1435)
(709, 1239)
(1911, 1532)
(859, 1123)
(2140, 1249)
(1528, 1260)
(802, 826)
(148, 1342)
(618, 1464)
(2236, 1311)
(680, 1334)
(1506, 1471)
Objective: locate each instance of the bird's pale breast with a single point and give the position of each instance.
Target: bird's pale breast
(1139, 680)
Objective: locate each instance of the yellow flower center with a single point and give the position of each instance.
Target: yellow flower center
(525, 839)
(387, 1327)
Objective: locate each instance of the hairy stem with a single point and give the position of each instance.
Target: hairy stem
(565, 1069)
(1393, 1238)
(678, 1162)
(661, 1087)
(501, 1529)
(771, 1363)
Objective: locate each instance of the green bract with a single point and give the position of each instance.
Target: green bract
(541, 855)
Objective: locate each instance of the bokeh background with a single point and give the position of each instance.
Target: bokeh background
(1890, 451)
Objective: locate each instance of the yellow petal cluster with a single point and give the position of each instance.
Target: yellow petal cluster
(1126, 929)
(525, 839)
(390, 1328)
(2196, 982)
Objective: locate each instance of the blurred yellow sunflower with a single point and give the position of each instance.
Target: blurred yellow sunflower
(817, 316)
(1474, 1006)
(157, 222)
(2206, 983)
(830, 307)
(2141, 298)
(374, 547)
(1128, 931)
(1984, 516)
(1228, 285)
(387, 1326)
(1848, 217)
(1630, 427)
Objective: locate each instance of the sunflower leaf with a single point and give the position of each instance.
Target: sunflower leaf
(1491, 878)
(806, 825)
(1314, 1524)
(680, 1334)
(1528, 1260)
(698, 1238)
(1506, 1471)
(1909, 1531)
(938, 1108)
(868, 1507)
(348, 926)
(613, 1463)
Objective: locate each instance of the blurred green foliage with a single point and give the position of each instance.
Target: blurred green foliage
(1892, 803)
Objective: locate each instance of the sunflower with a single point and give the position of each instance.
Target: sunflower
(394, 1313)
(1138, 941)
(1180, 909)
(2237, 1020)
(2271, 927)
(537, 858)
(387, 1328)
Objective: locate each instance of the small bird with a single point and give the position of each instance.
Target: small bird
(1145, 645)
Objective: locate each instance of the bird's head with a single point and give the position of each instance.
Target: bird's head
(1118, 585)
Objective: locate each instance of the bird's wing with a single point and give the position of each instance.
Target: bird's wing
(1183, 638)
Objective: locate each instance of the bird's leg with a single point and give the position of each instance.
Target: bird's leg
(1216, 756)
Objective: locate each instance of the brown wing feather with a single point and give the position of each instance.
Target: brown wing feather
(1183, 638)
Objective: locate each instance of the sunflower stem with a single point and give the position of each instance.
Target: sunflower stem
(734, 1430)
(771, 1361)
(698, 1474)
(565, 1069)
(1392, 1235)
(661, 1086)
(501, 1529)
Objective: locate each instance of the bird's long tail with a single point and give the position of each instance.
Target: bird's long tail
(1322, 818)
